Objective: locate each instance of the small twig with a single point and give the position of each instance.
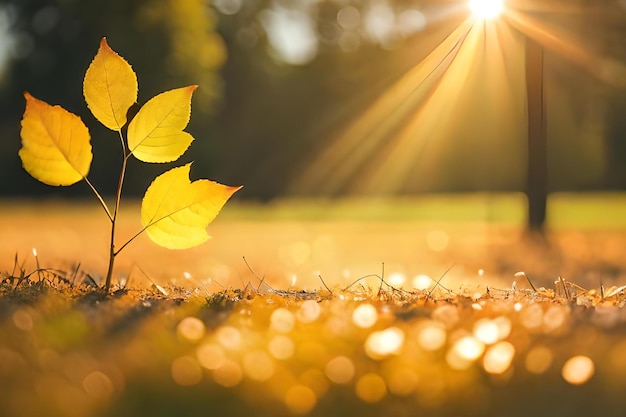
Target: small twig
(260, 279)
(565, 289)
(15, 262)
(382, 279)
(324, 283)
(438, 284)
(37, 263)
(601, 291)
(360, 279)
(523, 274)
(75, 273)
(157, 286)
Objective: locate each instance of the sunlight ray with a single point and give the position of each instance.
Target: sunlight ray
(404, 136)
(342, 158)
(464, 103)
(565, 44)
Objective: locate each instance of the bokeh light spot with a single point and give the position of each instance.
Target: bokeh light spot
(316, 380)
(309, 311)
(365, 316)
(469, 348)
(300, 399)
(422, 282)
(282, 320)
(228, 7)
(384, 343)
(229, 374)
(229, 337)
(22, 320)
(258, 366)
(281, 347)
(210, 355)
(191, 329)
(349, 17)
(396, 279)
(98, 385)
(486, 331)
(532, 316)
(402, 381)
(578, 370)
(411, 21)
(555, 317)
(340, 370)
(186, 371)
(498, 358)
(371, 388)
(447, 314)
(538, 360)
(432, 335)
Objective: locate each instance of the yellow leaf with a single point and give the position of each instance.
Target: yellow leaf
(175, 211)
(156, 133)
(56, 147)
(110, 87)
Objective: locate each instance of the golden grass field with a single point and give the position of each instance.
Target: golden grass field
(204, 332)
(292, 243)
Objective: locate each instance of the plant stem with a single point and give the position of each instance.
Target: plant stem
(113, 217)
(99, 197)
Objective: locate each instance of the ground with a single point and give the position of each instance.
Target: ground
(324, 316)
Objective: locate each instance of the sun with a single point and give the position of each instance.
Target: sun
(486, 9)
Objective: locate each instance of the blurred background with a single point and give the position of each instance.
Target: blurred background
(332, 97)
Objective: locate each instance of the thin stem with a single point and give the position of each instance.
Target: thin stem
(135, 236)
(118, 198)
(100, 199)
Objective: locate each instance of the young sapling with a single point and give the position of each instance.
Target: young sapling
(56, 150)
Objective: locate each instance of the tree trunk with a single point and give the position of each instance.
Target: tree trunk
(537, 190)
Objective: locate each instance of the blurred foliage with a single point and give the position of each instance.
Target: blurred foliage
(283, 102)
(171, 44)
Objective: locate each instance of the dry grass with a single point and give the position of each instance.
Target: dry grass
(69, 350)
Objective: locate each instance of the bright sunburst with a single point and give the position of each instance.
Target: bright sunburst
(466, 98)
(486, 9)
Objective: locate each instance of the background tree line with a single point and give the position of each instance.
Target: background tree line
(267, 103)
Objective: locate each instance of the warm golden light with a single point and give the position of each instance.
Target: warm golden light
(281, 347)
(384, 343)
(432, 336)
(371, 388)
(282, 320)
(365, 316)
(258, 366)
(300, 399)
(498, 359)
(539, 359)
(210, 356)
(487, 9)
(578, 370)
(340, 370)
(309, 311)
(191, 329)
(469, 348)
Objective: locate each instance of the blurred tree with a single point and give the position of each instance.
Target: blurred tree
(170, 43)
(298, 72)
